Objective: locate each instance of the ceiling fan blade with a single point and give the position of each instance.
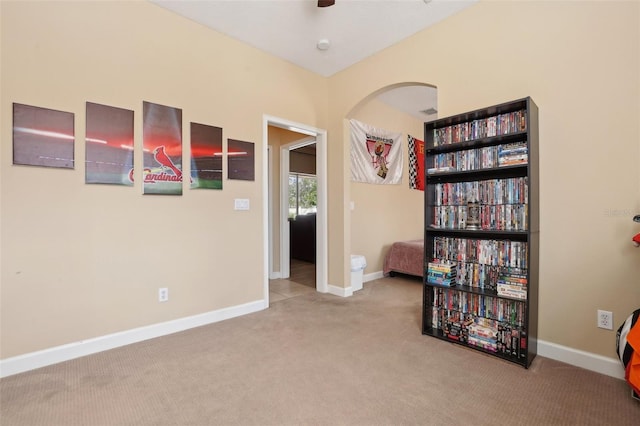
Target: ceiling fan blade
(325, 3)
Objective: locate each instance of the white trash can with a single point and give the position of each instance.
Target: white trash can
(358, 263)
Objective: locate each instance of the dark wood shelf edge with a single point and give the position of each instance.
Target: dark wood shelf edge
(476, 143)
(524, 362)
(481, 113)
(475, 290)
(480, 172)
(481, 233)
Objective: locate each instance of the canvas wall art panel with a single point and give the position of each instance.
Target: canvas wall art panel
(109, 145)
(240, 160)
(43, 137)
(162, 146)
(206, 156)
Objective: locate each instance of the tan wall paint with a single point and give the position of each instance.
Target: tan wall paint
(80, 261)
(386, 213)
(580, 62)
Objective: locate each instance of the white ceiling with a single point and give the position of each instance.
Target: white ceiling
(356, 29)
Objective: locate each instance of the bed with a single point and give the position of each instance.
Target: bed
(405, 257)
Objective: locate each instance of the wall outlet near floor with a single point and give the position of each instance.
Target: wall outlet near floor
(163, 294)
(605, 319)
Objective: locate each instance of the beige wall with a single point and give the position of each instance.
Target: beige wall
(383, 214)
(579, 61)
(80, 261)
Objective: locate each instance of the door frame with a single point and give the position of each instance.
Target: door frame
(320, 135)
(285, 171)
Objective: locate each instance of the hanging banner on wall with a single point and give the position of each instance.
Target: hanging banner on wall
(376, 154)
(416, 163)
(162, 144)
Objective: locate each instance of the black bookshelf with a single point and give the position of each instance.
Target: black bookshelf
(483, 150)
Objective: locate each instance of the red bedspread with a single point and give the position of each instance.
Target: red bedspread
(405, 257)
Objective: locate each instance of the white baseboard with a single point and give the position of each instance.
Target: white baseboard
(33, 360)
(275, 275)
(348, 291)
(598, 363)
(372, 276)
(10, 366)
(340, 291)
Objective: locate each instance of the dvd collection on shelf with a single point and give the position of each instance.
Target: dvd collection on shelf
(502, 203)
(482, 263)
(493, 324)
(488, 307)
(507, 217)
(489, 191)
(503, 253)
(501, 124)
(480, 278)
(510, 154)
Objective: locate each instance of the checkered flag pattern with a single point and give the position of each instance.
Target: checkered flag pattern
(413, 163)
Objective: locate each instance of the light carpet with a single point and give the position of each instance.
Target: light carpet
(314, 359)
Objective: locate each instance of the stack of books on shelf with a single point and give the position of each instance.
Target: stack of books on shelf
(442, 273)
(512, 282)
(513, 154)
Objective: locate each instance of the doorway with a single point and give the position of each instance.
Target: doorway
(280, 222)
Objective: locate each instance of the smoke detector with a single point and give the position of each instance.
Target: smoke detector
(323, 44)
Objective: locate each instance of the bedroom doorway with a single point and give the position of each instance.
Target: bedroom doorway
(303, 203)
(276, 190)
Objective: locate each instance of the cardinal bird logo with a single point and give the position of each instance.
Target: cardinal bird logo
(379, 150)
(163, 159)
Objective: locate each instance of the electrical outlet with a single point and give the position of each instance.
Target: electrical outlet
(605, 319)
(163, 294)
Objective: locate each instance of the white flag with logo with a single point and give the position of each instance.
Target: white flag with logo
(376, 154)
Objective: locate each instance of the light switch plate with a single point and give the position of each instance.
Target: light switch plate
(241, 204)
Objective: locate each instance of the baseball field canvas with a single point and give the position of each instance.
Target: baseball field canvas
(162, 149)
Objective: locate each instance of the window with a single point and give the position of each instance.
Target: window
(303, 194)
